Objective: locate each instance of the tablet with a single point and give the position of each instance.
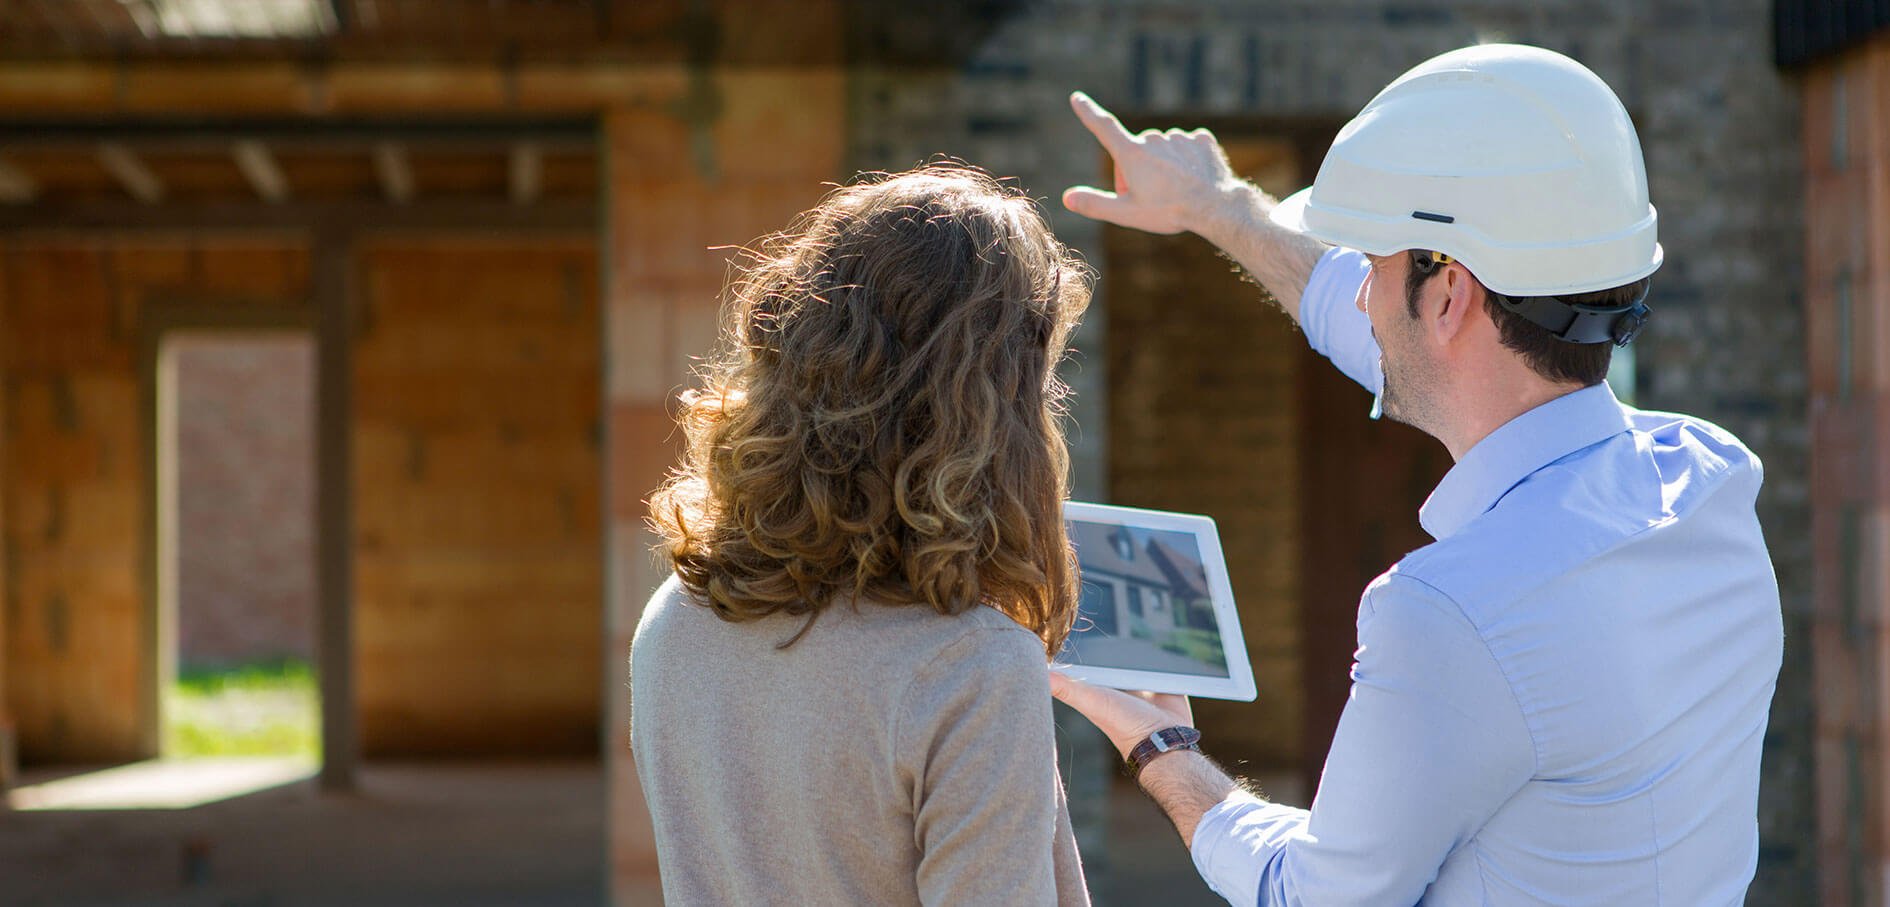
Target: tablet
(1157, 612)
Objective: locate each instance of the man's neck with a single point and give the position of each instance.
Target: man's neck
(1491, 401)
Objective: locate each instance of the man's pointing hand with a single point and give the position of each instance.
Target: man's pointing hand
(1166, 182)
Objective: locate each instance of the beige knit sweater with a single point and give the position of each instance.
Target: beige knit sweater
(891, 756)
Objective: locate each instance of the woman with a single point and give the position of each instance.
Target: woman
(842, 697)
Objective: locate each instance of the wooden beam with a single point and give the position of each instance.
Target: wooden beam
(527, 172)
(17, 187)
(486, 216)
(144, 19)
(209, 135)
(259, 167)
(131, 173)
(228, 76)
(395, 173)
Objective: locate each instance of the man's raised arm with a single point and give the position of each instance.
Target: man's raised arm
(1175, 181)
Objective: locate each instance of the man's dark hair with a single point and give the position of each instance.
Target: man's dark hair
(1549, 356)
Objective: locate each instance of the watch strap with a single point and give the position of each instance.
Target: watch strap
(1166, 740)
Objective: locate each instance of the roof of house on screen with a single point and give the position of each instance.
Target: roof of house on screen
(1185, 573)
(1806, 31)
(1152, 561)
(1096, 547)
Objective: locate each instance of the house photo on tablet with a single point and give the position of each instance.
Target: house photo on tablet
(1146, 604)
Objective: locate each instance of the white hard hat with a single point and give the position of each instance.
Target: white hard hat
(1515, 160)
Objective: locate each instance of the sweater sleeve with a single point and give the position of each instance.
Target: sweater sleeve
(978, 753)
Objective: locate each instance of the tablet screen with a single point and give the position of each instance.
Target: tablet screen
(1145, 602)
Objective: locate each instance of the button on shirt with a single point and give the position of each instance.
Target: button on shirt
(1561, 700)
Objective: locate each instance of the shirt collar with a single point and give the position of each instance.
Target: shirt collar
(1521, 446)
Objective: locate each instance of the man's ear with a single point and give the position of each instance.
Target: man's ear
(1462, 298)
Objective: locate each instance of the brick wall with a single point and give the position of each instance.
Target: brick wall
(678, 187)
(1847, 297)
(245, 446)
(74, 480)
(1203, 377)
(477, 499)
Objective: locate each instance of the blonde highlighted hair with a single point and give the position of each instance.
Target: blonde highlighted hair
(884, 420)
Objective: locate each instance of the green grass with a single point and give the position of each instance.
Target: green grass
(1201, 645)
(260, 709)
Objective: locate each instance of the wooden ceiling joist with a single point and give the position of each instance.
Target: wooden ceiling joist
(209, 135)
(259, 167)
(495, 216)
(17, 187)
(527, 173)
(131, 173)
(394, 171)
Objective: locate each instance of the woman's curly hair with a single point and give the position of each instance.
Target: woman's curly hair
(883, 422)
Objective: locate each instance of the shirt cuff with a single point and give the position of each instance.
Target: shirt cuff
(1328, 313)
(1235, 840)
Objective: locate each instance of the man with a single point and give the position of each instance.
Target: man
(1561, 699)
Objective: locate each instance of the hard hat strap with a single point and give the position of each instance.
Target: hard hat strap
(1567, 320)
(1576, 322)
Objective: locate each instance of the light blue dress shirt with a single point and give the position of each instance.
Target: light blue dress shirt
(1561, 700)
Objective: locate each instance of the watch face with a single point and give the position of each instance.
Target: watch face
(1180, 736)
(1170, 738)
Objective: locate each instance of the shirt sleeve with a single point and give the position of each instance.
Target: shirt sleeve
(1431, 743)
(978, 750)
(1336, 329)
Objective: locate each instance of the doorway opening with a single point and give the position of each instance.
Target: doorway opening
(236, 547)
(237, 687)
(238, 702)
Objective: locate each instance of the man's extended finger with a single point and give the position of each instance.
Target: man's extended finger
(1097, 204)
(1103, 124)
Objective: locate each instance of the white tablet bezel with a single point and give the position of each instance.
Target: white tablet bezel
(1238, 684)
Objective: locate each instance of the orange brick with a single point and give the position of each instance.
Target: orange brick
(644, 445)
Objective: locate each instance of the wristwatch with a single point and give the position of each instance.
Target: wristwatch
(1165, 740)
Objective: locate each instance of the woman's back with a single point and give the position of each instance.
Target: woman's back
(892, 755)
(881, 424)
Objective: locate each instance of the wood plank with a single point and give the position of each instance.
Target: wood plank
(496, 217)
(432, 88)
(259, 167)
(169, 86)
(394, 172)
(17, 187)
(227, 87)
(131, 173)
(527, 173)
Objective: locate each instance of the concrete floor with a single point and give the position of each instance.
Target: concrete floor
(414, 835)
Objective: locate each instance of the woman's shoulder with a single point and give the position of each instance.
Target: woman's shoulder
(865, 632)
(666, 606)
(939, 631)
(982, 642)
